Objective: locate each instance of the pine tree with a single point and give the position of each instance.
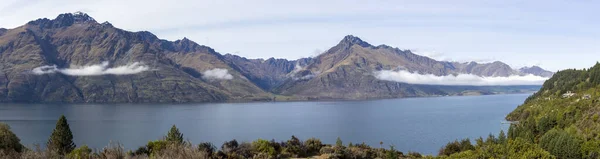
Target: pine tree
(502, 137)
(8, 140)
(174, 135)
(338, 142)
(61, 139)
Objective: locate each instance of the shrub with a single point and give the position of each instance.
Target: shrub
(414, 154)
(83, 152)
(463, 145)
(113, 151)
(263, 146)
(591, 149)
(245, 150)
(229, 146)
(207, 148)
(183, 150)
(326, 150)
(358, 153)
(156, 146)
(142, 151)
(313, 146)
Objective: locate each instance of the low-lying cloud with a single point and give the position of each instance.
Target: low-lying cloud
(461, 79)
(93, 70)
(217, 73)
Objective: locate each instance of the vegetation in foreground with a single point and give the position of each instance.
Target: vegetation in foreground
(60, 145)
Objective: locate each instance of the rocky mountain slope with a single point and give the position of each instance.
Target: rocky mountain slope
(535, 70)
(72, 40)
(73, 58)
(346, 71)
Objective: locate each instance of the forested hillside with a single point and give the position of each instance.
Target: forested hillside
(562, 120)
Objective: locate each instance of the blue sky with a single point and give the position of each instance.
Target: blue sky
(554, 34)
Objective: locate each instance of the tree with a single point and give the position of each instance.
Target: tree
(174, 135)
(294, 146)
(230, 146)
(61, 139)
(392, 153)
(561, 144)
(338, 142)
(502, 137)
(8, 140)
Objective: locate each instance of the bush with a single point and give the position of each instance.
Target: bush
(9, 142)
(245, 150)
(229, 146)
(263, 146)
(113, 150)
(313, 146)
(155, 147)
(591, 149)
(463, 145)
(141, 151)
(326, 150)
(358, 153)
(183, 150)
(83, 152)
(207, 148)
(414, 154)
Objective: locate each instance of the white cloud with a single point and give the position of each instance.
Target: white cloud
(461, 79)
(217, 73)
(93, 70)
(299, 68)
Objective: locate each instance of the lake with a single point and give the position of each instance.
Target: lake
(411, 124)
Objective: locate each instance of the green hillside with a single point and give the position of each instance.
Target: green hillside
(559, 121)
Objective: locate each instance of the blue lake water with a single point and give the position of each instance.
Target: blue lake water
(411, 124)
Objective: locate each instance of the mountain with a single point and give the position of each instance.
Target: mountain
(269, 73)
(535, 70)
(72, 40)
(73, 58)
(346, 72)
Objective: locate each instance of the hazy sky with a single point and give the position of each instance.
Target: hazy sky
(554, 34)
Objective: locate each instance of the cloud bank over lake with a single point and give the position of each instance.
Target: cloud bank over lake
(460, 79)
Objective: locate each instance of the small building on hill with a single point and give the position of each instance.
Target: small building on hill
(586, 96)
(568, 94)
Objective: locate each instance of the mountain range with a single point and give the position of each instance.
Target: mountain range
(74, 59)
